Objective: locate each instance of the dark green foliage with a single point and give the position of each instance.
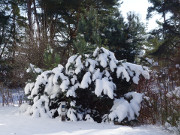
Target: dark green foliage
(88, 37)
(90, 104)
(169, 28)
(51, 58)
(5, 72)
(65, 26)
(125, 39)
(82, 46)
(89, 25)
(10, 38)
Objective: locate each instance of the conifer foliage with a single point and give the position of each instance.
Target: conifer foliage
(89, 84)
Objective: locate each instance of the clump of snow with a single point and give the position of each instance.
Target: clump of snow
(89, 118)
(108, 87)
(177, 66)
(71, 91)
(73, 103)
(97, 75)
(69, 64)
(33, 69)
(79, 66)
(175, 92)
(123, 109)
(23, 108)
(141, 53)
(136, 70)
(151, 61)
(135, 101)
(28, 88)
(41, 108)
(121, 71)
(92, 64)
(86, 81)
(120, 110)
(64, 85)
(71, 114)
(105, 86)
(99, 87)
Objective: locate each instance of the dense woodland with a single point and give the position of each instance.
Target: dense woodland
(45, 33)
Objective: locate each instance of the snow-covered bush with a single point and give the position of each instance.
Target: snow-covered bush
(95, 87)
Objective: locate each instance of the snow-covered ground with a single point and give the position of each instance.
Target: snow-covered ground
(13, 123)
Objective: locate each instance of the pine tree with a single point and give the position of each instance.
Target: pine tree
(11, 28)
(90, 86)
(169, 29)
(125, 39)
(88, 37)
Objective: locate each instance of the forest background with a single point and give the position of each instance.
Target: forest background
(46, 33)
